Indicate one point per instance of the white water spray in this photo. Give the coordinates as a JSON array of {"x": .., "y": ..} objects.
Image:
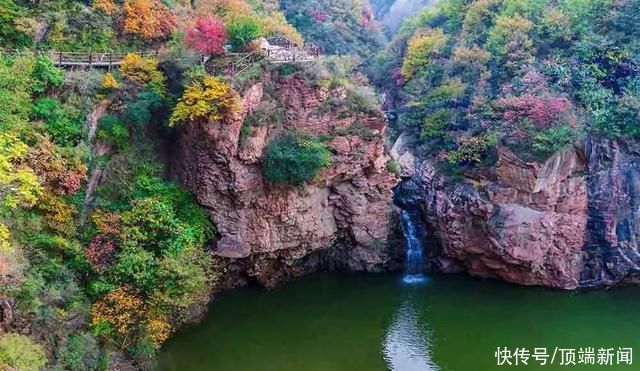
[{"x": 414, "y": 261}]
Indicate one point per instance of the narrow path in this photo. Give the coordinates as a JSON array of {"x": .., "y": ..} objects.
[{"x": 271, "y": 53}]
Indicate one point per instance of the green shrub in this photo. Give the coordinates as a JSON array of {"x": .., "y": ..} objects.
[
  {"x": 393, "y": 166},
  {"x": 47, "y": 108},
  {"x": 161, "y": 251},
  {"x": 246, "y": 130},
  {"x": 362, "y": 99},
  {"x": 46, "y": 75},
  {"x": 64, "y": 129},
  {"x": 472, "y": 150},
  {"x": 293, "y": 160},
  {"x": 140, "y": 110},
  {"x": 287, "y": 69},
  {"x": 20, "y": 353},
  {"x": 10, "y": 36},
  {"x": 243, "y": 30},
  {"x": 435, "y": 124},
  {"x": 80, "y": 353},
  {"x": 552, "y": 140},
  {"x": 266, "y": 113},
  {"x": 113, "y": 130}
]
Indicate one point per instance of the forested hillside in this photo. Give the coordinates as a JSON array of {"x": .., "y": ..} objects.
[
  {"x": 345, "y": 27},
  {"x": 112, "y": 176},
  {"x": 534, "y": 75},
  {"x": 103, "y": 255}
]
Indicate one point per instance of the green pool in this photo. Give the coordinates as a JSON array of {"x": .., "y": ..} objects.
[{"x": 375, "y": 322}]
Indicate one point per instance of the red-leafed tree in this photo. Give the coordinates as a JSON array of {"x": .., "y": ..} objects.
[
  {"x": 101, "y": 252},
  {"x": 207, "y": 36}
]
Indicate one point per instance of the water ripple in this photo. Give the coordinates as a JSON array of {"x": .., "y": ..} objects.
[{"x": 407, "y": 345}]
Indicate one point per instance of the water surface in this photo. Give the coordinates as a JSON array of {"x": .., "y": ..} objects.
[{"x": 375, "y": 322}]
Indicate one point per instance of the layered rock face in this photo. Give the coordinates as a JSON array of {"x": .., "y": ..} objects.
[
  {"x": 268, "y": 232},
  {"x": 571, "y": 222}
]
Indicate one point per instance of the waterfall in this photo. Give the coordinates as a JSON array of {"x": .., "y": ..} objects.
[{"x": 414, "y": 250}]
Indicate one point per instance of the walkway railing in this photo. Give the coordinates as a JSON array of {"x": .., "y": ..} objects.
[
  {"x": 233, "y": 63},
  {"x": 91, "y": 59}
]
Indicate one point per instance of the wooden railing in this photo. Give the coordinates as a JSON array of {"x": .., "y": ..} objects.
[
  {"x": 231, "y": 64},
  {"x": 90, "y": 59},
  {"x": 291, "y": 53}
]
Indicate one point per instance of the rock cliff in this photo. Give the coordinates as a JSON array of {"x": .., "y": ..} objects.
[
  {"x": 268, "y": 232},
  {"x": 570, "y": 222}
]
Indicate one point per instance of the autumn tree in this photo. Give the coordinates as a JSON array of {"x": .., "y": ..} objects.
[
  {"x": 109, "y": 81},
  {"x": 510, "y": 43},
  {"x": 105, "y": 6},
  {"x": 118, "y": 315},
  {"x": 101, "y": 252},
  {"x": 143, "y": 72},
  {"x": 150, "y": 20},
  {"x": 61, "y": 174},
  {"x": 222, "y": 8},
  {"x": 18, "y": 184},
  {"x": 207, "y": 36},
  {"x": 210, "y": 98},
  {"x": 421, "y": 48}
]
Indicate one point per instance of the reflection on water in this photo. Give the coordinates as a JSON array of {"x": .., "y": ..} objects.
[
  {"x": 375, "y": 323},
  {"x": 407, "y": 344}
]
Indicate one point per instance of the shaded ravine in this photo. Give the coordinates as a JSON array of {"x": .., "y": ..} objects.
[{"x": 98, "y": 148}]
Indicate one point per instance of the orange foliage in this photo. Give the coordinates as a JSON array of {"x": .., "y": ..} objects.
[
  {"x": 63, "y": 176},
  {"x": 225, "y": 9},
  {"x": 106, "y": 6},
  {"x": 106, "y": 222},
  {"x": 149, "y": 19},
  {"x": 58, "y": 215},
  {"x": 122, "y": 309},
  {"x": 158, "y": 330}
]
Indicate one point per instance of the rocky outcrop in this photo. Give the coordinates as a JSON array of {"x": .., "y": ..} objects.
[
  {"x": 6, "y": 313},
  {"x": 571, "y": 222},
  {"x": 267, "y": 232}
]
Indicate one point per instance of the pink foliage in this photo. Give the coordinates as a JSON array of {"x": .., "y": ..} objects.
[
  {"x": 542, "y": 113},
  {"x": 317, "y": 15},
  {"x": 396, "y": 75},
  {"x": 532, "y": 83},
  {"x": 535, "y": 83},
  {"x": 367, "y": 18},
  {"x": 101, "y": 252},
  {"x": 207, "y": 36}
]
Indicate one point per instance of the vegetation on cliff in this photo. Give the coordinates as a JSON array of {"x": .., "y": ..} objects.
[
  {"x": 533, "y": 75},
  {"x": 293, "y": 160},
  {"x": 100, "y": 252},
  {"x": 344, "y": 27},
  {"x": 60, "y": 253}
]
